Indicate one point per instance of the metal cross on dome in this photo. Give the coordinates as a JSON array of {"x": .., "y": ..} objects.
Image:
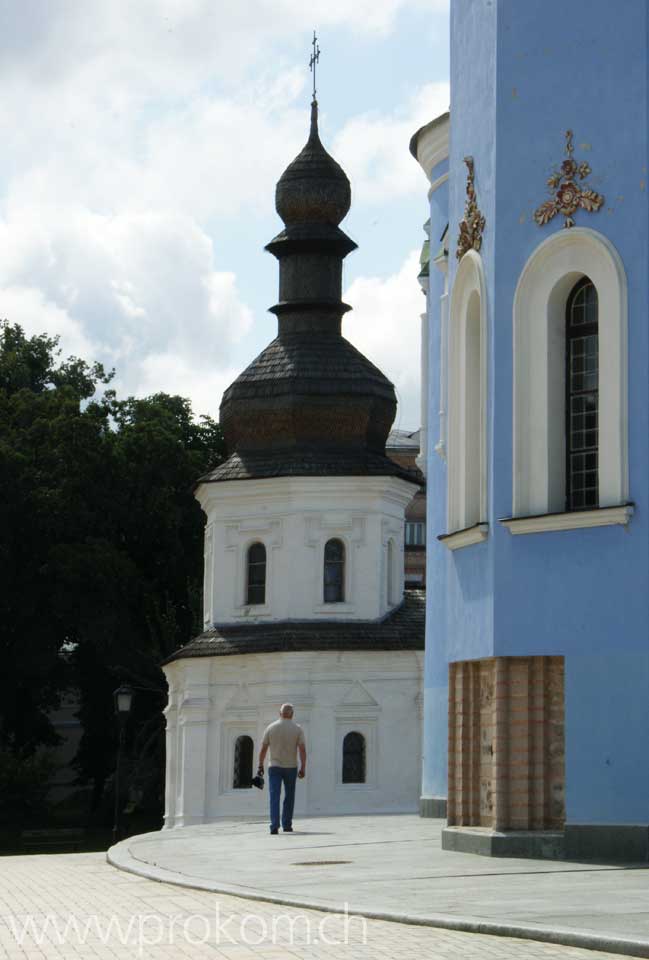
[{"x": 315, "y": 56}]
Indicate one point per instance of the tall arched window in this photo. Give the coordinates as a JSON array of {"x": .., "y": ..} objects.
[
  {"x": 472, "y": 413},
  {"x": 551, "y": 280},
  {"x": 243, "y": 750},
  {"x": 334, "y": 571},
  {"x": 582, "y": 397},
  {"x": 256, "y": 579},
  {"x": 354, "y": 758},
  {"x": 467, "y": 405}
]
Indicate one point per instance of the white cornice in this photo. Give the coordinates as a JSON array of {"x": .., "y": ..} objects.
[
  {"x": 465, "y": 538},
  {"x": 430, "y": 145},
  {"x": 577, "y": 520}
]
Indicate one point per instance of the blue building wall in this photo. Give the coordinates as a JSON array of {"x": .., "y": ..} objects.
[
  {"x": 435, "y": 668},
  {"x": 521, "y": 74}
]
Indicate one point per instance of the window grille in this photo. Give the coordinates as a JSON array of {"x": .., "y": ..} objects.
[
  {"x": 256, "y": 581},
  {"x": 582, "y": 397},
  {"x": 334, "y": 571}
]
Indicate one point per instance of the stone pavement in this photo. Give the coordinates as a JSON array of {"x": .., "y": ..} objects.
[
  {"x": 78, "y": 907},
  {"x": 393, "y": 867}
]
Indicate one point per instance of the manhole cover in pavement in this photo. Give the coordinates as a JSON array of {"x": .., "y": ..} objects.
[{"x": 319, "y": 863}]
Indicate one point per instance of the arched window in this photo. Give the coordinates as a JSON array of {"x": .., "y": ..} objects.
[
  {"x": 243, "y": 750},
  {"x": 582, "y": 397},
  {"x": 467, "y": 403},
  {"x": 334, "y": 571},
  {"x": 256, "y": 583},
  {"x": 573, "y": 271},
  {"x": 354, "y": 758},
  {"x": 472, "y": 414}
]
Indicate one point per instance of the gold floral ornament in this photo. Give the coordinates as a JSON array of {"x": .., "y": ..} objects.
[
  {"x": 470, "y": 237},
  {"x": 569, "y": 195}
]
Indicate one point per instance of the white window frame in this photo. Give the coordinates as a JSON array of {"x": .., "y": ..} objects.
[
  {"x": 539, "y": 471},
  {"x": 463, "y": 513},
  {"x": 421, "y": 524}
]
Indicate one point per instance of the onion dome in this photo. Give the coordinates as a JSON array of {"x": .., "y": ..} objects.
[
  {"x": 310, "y": 404},
  {"x": 313, "y": 188}
]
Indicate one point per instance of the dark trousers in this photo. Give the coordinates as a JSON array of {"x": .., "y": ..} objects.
[{"x": 276, "y": 777}]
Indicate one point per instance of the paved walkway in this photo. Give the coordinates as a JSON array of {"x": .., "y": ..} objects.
[
  {"x": 392, "y": 867},
  {"x": 77, "y": 907}
]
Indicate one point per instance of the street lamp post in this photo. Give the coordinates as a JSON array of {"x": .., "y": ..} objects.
[{"x": 123, "y": 697}]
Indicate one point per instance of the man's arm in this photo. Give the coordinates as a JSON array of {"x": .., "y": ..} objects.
[
  {"x": 301, "y": 749},
  {"x": 262, "y": 756}
]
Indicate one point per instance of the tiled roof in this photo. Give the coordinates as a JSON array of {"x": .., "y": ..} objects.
[
  {"x": 325, "y": 364},
  {"x": 327, "y": 464},
  {"x": 403, "y": 629}
]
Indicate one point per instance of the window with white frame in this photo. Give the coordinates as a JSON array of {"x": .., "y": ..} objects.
[
  {"x": 415, "y": 533},
  {"x": 570, "y": 411}
]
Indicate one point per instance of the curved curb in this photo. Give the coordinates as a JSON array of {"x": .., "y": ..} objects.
[{"x": 120, "y": 857}]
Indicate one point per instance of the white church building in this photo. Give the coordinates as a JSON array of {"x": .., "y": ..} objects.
[{"x": 304, "y": 595}]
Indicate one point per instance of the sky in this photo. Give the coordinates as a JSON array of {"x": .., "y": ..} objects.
[{"x": 141, "y": 141}]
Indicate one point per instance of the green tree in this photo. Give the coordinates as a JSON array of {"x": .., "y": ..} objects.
[{"x": 101, "y": 553}]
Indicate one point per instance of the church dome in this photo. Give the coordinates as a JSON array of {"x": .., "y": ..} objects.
[
  {"x": 313, "y": 187},
  {"x": 310, "y": 404}
]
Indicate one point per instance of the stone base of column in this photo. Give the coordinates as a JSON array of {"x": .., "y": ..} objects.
[
  {"x": 535, "y": 844},
  {"x": 618, "y": 842},
  {"x": 433, "y": 807}
]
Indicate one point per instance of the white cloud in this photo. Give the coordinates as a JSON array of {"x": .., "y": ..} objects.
[
  {"x": 385, "y": 325},
  {"x": 130, "y": 131},
  {"x": 373, "y": 147},
  {"x": 141, "y": 292}
]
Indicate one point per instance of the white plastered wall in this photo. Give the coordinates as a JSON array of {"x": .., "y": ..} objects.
[
  {"x": 294, "y": 518},
  {"x": 213, "y": 700}
]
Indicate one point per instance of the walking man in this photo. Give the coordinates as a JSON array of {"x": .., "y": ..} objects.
[{"x": 285, "y": 739}]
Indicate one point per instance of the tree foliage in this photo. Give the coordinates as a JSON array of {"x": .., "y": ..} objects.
[{"x": 101, "y": 547}]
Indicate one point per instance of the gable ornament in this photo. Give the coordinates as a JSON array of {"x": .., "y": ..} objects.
[
  {"x": 471, "y": 227},
  {"x": 569, "y": 194}
]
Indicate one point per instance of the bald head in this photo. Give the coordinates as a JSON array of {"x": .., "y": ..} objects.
[{"x": 286, "y": 710}]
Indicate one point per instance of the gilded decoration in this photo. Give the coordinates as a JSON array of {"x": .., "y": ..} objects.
[
  {"x": 569, "y": 195},
  {"x": 471, "y": 227}
]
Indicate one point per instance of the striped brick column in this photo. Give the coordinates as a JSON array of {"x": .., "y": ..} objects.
[{"x": 506, "y": 743}]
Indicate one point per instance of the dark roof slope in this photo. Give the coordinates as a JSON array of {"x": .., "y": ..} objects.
[{"x": 402, "y": 629}]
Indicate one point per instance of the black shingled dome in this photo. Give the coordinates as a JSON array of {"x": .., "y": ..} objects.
[{"x": 310, "y": 404}]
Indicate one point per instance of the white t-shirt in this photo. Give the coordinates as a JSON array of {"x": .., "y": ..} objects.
[{"x": 283, "y": 737}]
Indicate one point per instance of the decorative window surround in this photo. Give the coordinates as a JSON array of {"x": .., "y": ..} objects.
[
  {"x": 467, "y": 396},
  {"x": 539, "y": 468},
  {"x": 239, "y": 537},
  {"x": 575, "y": 520},
  {"x": 465, "y": 538}
]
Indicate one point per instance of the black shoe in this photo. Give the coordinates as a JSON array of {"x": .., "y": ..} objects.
[
  {"x": 288, "y": 829},
  {"x": 274, "y": 831}
]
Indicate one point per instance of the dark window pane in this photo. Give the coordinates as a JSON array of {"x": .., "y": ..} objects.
[
  {"x": 334, "y": 572},
  {"x": 582, "y": 397},
  {"x": 243, "y": 750},
  {"x": 256, "y": 574},
  {"x": 354, "y": 758},
  {"x": 335, "y": 551}
]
